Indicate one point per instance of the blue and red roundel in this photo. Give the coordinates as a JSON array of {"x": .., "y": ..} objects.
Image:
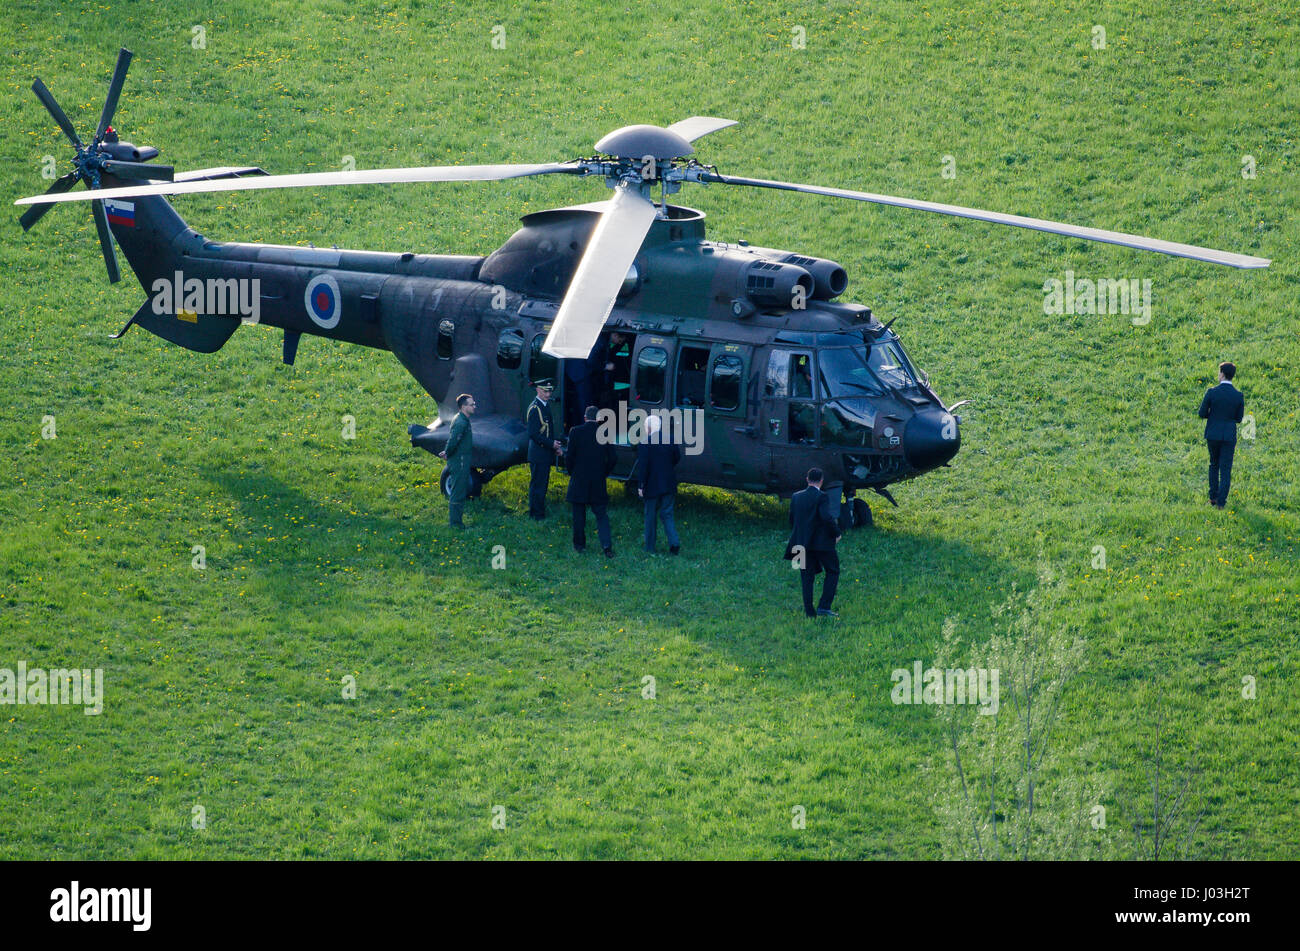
[{"x": 324, "y": 302}]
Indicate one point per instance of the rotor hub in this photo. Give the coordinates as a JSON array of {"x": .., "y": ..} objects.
[{"x": 639, "y": 142}]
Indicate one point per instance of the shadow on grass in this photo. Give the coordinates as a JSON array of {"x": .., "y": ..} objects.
[{"x": 729, "y": 590}]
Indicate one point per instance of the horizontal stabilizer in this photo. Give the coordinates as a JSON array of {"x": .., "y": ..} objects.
[{"x": 198, "y": 332}]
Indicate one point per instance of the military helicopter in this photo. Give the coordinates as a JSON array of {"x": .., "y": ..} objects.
[{"x": 752, "y": 340}]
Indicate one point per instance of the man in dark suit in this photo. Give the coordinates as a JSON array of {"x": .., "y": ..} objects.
[
  {"x": 1222, "y": 410},
  {"x": 813, "y": 534},
  {"x": 657, "y": 456},
  {"x": 589, "y": 463},
  {"x": 543, "y": 447}
]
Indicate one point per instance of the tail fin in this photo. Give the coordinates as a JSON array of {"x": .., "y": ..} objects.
[{"x": 150, "y": 233}]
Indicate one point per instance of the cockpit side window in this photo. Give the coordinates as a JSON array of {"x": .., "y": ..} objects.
[
  {"x": 778, "y": 374},
  {"x": 789, "y": 374},
  {"x": 801, "y": 381}
]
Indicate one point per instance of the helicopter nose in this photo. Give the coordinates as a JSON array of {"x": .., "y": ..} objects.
[{"x": 930, "y": 439}]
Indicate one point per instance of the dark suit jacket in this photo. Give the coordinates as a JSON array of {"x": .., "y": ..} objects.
[
  {"x": 541, "y": 433},
  {"x": 1222, "y": 410},
  {"x": 811, "y": 523},
  {"x": 655, "y": 468},
  {"x": 589, "y": 463}
]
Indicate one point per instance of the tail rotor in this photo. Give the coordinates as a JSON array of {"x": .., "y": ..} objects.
[{"x": 105, "y": 154}]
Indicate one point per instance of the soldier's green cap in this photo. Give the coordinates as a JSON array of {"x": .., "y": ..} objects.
[{"x": 546, "y": 383}]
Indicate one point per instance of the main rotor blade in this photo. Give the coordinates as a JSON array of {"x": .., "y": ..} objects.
[
  {"x": 106, "y": 242},
  {"x": 33, "y": 215},
  {"x": 221, "y": 171},
  {"x": 1036, "y": 224},
  {"x": 377, "y": 176},
  {"x": 114, "y": 91},
  {"x": 699, "y": 126},
  {"x": 51, "y": 104},
  {"x": 141, "y": 171},
  {"x": 596, "y": 282}
]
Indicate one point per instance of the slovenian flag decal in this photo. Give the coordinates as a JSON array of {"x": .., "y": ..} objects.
[{"x": 120, "y": 212}]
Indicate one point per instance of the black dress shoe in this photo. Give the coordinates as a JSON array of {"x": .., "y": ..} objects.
[
  {"x": 676, "y": 549},
  {"x": 609, "y": 553}
]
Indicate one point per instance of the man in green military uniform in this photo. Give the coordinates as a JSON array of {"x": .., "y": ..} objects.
[{"x": 459, "y": 451}]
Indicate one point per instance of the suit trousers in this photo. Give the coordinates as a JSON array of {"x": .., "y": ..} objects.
[
  {"x": 1220, "y": 469},
  {"x": 660, "y": 508},
  {"x": 539, "y": 479},
  {"x": 829, "y": 562},
  {"x": 580, "y": 525}
]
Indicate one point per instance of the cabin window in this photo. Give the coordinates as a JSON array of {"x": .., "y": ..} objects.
[
  {"x": 651, "y": 369},
  {"x": 510, "y": 349},
  {"x": 724, "y": 389},
  {"x": 542, "y": 365},
  {"x": 446, "y": 337},
  {"x": 692, "y": 364}
]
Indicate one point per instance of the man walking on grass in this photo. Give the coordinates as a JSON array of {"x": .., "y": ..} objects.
[{"x": 1222, "y": 410}]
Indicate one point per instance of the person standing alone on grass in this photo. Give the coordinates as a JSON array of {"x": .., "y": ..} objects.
[
  {"x": 459, "y": 451},
  {"x": 1222, "y": 410},
  {"x": 813, "y": 534}
]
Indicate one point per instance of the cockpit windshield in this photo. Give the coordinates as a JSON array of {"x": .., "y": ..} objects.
[
  {"x": 889, "y": 363},
  {"x": 853, "y": 371}
]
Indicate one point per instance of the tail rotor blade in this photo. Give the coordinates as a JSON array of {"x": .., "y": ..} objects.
[
  {"x": 114, "y": 92},
  {"x": 139, "y": 171},
  {"x": 36, "y": 212},
  {"x": 47, "y": 99},
  {"x": 106, "y": 241}
]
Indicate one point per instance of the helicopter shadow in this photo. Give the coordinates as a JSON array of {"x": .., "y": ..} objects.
[{"x": 737, "y": 597}]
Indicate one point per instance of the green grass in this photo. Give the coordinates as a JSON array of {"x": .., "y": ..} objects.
[{"x": 522, "y": 687}]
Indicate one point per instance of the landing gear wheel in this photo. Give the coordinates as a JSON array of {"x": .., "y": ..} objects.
[
  {"x": 862, "y": 514},
  {"x": 476, "y": 483}
]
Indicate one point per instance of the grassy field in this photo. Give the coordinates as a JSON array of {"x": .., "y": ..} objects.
[{"x": 522, "y": 687}]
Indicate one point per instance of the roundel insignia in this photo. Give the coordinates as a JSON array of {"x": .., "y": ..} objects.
[{"x": 324, "y": 302}]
